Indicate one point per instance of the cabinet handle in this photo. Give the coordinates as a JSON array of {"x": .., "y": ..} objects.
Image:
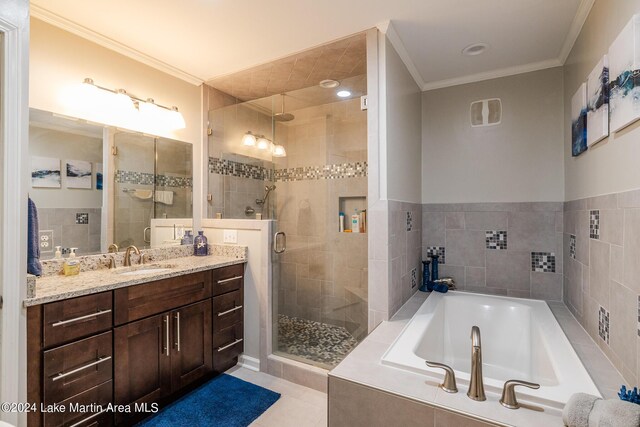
[
  {"x": 224, "y": 347},
  {"x": 84, "y": 420},
  {"x": 165, "y": 348},
  {"x": 81, "y": 368},
  {"x": 230, "y": 311},
  {"x": 78, "y": 319},
  {"x": 229, "y": 280},
  {"x": 176, "y": 316}
]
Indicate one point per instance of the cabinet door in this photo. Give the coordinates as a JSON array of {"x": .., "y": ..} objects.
[
  {"x": 142, "y": 353},
  {"x": 191, "y": 356}
]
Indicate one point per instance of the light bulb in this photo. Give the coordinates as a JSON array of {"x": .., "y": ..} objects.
[
  {"x": 279, "y": 151},
  {"x": 249, "y": 139},
  {"x": 344, "y": 94},
  {"x": 263, "y": 143}
]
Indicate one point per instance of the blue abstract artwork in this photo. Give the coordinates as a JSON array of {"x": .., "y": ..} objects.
[
  {"x": 598, "y": 102},
  {"x": 624, "y": 70},
  {"x": 45, "y": 172},
  {"x": 579, "y": 121}
]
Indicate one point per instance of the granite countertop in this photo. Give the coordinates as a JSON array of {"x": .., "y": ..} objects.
[{"x": 59, "y": 287}]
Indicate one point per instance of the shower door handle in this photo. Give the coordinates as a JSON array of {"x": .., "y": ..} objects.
[
  {"x": 144, "y": 234},
  {"x": 282, "y": 248}
]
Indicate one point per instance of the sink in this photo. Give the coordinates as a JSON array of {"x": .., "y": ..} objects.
[{"x": 144, "y": 270}]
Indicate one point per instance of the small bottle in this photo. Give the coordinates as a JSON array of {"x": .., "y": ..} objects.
[
  {"x": 355, "y": 222},
  {"x": 58, "y": 254},
  {"x": 71, "y": 266},
  {"x": 200, "y": 247},
  {"x": 341, "y": 222}
]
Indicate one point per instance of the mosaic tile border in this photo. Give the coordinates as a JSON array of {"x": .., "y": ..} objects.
[
  {"x": 496, "y": 240},
  {"x": 409, "y": 221},
  {"x": 594, "y": 224},
  {"x": 572, "y": 246},
  {"x": 304, "y": 173},
  {"x": 543, "y": 262},
  {"x": 603, "y": 324},
  {"x": 436, "y": 250},
  {"x": 639, "y": 315},
  {"x": 144, "y": 178}
]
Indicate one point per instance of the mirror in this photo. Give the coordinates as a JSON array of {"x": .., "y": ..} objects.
[{"x": 95, "y": 185}]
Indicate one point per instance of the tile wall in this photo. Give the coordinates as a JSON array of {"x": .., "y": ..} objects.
[
  {"x": 72, "y": 228},
  {"x": 512, "y": 249},
  {"x": 602, "y": 274}
]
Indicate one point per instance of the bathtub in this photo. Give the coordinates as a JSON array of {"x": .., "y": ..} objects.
[{"x": 521, "y": 339}]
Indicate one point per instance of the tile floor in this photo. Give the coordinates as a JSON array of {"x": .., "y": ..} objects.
[{"x": 298, "y": 406}]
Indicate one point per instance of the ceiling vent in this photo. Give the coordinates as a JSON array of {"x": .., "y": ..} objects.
[{"x": 487, "y": 112}]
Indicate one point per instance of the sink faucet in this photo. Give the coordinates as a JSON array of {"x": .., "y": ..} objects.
[
  {"x": 476, "y": 385},
  {"x": 127, "y": 255}
]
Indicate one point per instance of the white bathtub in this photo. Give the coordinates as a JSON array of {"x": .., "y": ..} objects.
[{"x": 521, "y": 339}]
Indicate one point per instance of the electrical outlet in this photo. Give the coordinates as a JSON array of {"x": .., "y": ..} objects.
[
  {"x": 230, "y": 236},
  {"x": 45, "y": 237},
  {"x": 414, "y": 278}
]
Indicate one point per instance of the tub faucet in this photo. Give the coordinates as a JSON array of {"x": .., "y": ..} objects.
[{"x": 476, "y": 385}]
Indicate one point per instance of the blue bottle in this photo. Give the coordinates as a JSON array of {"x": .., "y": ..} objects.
[
  {"x": 200, "y": 247},
  {"x": 187, "y": 239},
  {"x": 434, "y": 267},
  {"x": 426, "y": 276}
]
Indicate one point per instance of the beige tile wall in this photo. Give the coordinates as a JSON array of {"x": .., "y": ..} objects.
[
  {"x": 605, "y": 273},
  {"x": 530, "y": 227},
  {"x": 68, "y": 234}
]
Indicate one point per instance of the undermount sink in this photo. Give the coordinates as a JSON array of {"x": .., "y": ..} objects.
[{"x": 145, "y": 270}]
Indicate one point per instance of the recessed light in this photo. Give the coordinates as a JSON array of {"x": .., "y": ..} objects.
[
  {"x": 329, "y": 84},
  {"x": 475, "y": 49},
  {"x": 344, "y": 94}
]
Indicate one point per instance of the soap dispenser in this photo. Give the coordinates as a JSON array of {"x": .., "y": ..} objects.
[
  {"x": 71, "y": 266},
  {"x": 58, "y": 254}
]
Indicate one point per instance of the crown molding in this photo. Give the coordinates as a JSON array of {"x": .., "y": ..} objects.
[
  {"x": 387, "y": 29},
  {"x": 64, "y": 24},
  {"x": 576, "y": 26},
  {"x": 494, "y": 74}
]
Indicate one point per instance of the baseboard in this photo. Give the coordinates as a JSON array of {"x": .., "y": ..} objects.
[{"x": 249, "y": 362}]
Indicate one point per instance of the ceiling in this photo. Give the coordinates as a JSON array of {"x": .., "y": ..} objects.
[{"x": 200, "y": 40}]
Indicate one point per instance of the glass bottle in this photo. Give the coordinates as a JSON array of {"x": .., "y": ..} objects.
[{"x": 200, "y": 247}]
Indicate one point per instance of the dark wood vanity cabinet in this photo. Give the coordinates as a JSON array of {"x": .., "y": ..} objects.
[{"x": 141, "y": 344}]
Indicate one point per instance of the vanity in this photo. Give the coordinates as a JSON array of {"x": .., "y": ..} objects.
[{"x": 131, "y": 336}]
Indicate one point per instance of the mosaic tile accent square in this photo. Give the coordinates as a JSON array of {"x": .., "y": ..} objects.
[
  {"x": 543, "y": 262},
  {"x": 594, "y": 224},
  {"x": 436, "y": 250},
  {"x": 639, "y": 315},
  {"x": 603, "y": 324},
  {"x": 82, "y": 218},
  {"x": 414, "y": 278},
  {"x": 409, "y": 221},
  {"x": 496, "y": 239},
  {"x": 572, "y": 246}
]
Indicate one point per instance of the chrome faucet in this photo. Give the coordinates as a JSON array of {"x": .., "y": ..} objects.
[
  {"x": 127, "y": 255},
  {"x": 476, "y": 385}
]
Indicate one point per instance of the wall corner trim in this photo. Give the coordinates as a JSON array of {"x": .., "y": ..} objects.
[
  {"x": 576, "y": 27},
  {"x": 387, "y": 29}
]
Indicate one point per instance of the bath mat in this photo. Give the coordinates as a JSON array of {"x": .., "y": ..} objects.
[{"x": 224, "y": 401}]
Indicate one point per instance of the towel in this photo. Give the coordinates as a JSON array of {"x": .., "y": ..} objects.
[
  {"x": 33, "y": 245},
  {"x": 614, "y": 413},
  {"x": 143, "y": 194},
  {"x": 164, "y": 197},
  {"x": 576, "y": 411}
]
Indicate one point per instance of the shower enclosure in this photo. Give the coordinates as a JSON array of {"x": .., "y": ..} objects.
[{"x": 307, "y": 149}]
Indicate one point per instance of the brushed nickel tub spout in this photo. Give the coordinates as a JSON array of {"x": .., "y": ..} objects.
[{"x": 476, "y": 385}]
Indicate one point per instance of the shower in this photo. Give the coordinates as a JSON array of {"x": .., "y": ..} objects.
[
  {"x": 282, "y": 116},
  {"x": 268, "y": 189}
]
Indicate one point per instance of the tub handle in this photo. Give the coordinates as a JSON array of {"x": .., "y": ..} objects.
[
  {"x": 508, "y": 399},
  {"x": 449, "y": 384}
]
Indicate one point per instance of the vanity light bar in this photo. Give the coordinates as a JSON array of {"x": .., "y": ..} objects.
[{"x": 176, "y": 118}]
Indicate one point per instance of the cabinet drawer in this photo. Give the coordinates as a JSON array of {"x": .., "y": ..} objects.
[
  {"x": 76, "y": 367},
  {"x": 227, "y": 310},
  {"x": 227, "y": 345},
  {"x": 77, "y": 317},
  {"x": 227, "y": 279},
  {"x": 136, "y": 302},
  {"x": 99, "y": 395}
]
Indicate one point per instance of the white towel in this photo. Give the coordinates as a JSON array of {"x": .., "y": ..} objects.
[
  {"x": 576, "y": 411},
  {"x": 614, "y": 413},
  {"x": 143, "y": 194},
  {"x": 164, "y": 197}
]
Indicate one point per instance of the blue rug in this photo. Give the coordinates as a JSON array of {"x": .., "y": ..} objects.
[{"x": 224, "y": 401}]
